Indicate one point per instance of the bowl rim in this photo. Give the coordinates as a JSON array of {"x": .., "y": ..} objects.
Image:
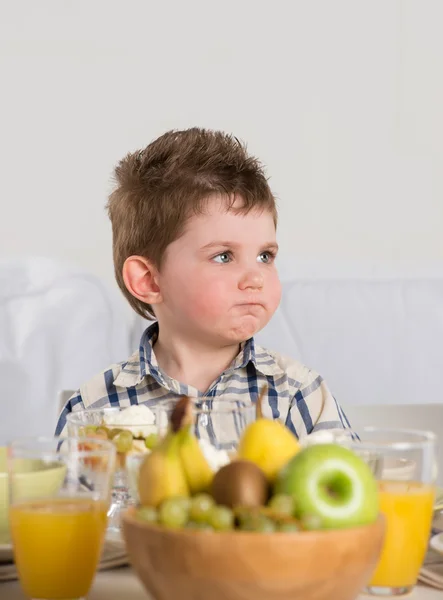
[{"x": 129, "y": 517}]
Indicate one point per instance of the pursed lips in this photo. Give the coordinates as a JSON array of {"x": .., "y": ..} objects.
[{"x": 250, "y": 304}]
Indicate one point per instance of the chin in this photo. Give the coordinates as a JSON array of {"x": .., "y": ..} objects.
[{"x": 243, "y": 331}]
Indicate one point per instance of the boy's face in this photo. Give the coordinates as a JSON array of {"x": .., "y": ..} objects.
[{"x": 218, "y": 281}]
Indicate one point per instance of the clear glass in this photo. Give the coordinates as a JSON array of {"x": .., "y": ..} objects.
[
  {"x": 59, "y": 493},
  {"x": 109, "y": 423},
  {"x": 218, "y": 424},
  {"x": 404, "y": 462}
]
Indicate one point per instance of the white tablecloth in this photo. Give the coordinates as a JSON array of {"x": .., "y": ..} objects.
[{"x": 122, "y": 583}]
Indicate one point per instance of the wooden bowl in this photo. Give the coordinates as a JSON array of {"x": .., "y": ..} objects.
[{"x": 204, "y": 565}]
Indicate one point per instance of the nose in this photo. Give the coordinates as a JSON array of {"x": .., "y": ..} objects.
[{"x": 251, "y": 280}]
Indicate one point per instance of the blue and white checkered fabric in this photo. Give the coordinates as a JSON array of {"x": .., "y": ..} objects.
[{"x": 296, "y": 395}]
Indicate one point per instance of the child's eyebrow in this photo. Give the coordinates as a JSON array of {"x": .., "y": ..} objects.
[{"x": 227, "y": 244}]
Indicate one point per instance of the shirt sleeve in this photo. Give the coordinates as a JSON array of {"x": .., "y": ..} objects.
[
  {"x": 75, "y": 402},
  {"x": 313, "y": 408}
]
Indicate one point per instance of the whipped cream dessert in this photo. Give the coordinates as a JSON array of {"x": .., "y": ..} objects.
[{"x": 138, "y": 419}]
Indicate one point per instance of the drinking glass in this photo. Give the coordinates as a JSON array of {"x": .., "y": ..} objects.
[
  {"x": 59, "y": 492},
  {"x": 218, "y": 424},
  {"x": 130, "y": 441},
  {"x": 404, "y": 463}
]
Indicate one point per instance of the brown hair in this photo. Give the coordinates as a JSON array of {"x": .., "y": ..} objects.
[{"x": 160, "y": 187}]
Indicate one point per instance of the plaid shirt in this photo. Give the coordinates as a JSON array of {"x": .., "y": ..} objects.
[{"x": 296, "y": 395}]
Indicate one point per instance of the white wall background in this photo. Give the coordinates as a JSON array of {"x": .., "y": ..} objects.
[{"x": 342, "y": 101}]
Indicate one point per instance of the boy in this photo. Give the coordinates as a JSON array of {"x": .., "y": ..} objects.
[{"x": 194, "y": 241}]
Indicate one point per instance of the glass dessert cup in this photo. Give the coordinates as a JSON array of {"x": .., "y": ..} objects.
[{"x": 132, "y": 431}]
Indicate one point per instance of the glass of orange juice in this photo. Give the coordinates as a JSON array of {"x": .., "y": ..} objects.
[
  {"x": 404, "y": 463},
  {"x": 59, "y": 492}
]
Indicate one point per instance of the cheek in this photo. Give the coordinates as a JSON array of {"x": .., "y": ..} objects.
[
  {"x": 209, "y": 299},
  {"x": 199, "y": 297},
  {"x": 273, "y": 290}
]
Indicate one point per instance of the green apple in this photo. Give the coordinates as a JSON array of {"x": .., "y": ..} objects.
[{"x": 333, "y": 488}]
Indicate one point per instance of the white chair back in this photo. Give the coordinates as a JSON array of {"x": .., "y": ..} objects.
[
  {"x": 59, "y": 326},
  {"x": 375, "y": 335}
]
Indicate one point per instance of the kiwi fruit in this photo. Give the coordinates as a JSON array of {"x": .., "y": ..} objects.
[{"x": 240, "y": 483}]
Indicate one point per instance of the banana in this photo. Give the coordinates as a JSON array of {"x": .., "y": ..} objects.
[
  {"x": 161, "y": 474},
  {"x": 177, "y": 465},
  {"x": 198, "y": 473}
]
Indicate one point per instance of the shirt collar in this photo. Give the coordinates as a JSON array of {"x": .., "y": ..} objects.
[
  {"x": 148, "y": 361},
  {"x": 144, "y": 362}
]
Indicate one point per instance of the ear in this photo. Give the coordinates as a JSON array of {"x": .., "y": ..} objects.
[{"x": 140, "y": 277}]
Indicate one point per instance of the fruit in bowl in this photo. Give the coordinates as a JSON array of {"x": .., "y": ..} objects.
[
  {"x": 193, "y": 563},
  {"x": 332, "y": 484},
  {"x": 268, "y": 444},
  {"x": 131, "y": 429},
  {"x": 310, "y": 531}
]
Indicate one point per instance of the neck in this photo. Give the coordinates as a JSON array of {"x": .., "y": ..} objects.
[{"x": 192, "y": 362}]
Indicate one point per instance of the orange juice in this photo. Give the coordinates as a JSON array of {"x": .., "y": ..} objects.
[
  {"x": 408, "y": 509},
  {"x": 57, "y": 545}
]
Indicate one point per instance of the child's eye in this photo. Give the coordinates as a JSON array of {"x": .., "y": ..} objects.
[
  {"x": 266, "y": 257},
  {"x": 222, "y": 258}
]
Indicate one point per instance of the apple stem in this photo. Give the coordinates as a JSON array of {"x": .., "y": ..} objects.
[{"x": 258, "y": 406}]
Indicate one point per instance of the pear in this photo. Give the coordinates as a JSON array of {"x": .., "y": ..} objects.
[{"x": 268, "y": 444}]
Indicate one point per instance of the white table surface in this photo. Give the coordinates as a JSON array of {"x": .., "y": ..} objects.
[{"x": 122, "y": 583}]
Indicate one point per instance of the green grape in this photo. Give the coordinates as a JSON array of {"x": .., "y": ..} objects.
[
  {"x": 147, "y": 513},
  {"x": 185, "y": 501},
  {"x": 102, "y": 432},
  {"x": 221, "y": 518},
  {"x": 247, "y": 523},
  {"x": 265, "y": 525},
  {"x": 242, "y": 513},
  {"x": 258, "y": 523},
  {"x": 123, "y": 441},
  {"x": 151, "y": 441},
  {"x": 311, "y": 522},
  {"x": 113, "y": 432},
  {"x": 90, "y": 430},
  {"x": 282, "y": 504},
  {"x": 172, "y": 513},
  {"x": 199, "y": 526},
  {"x": 289, "y": 527},
  {"x": 201, "y": 506}
]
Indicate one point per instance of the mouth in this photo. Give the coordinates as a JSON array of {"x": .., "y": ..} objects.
[{"x": 249, "y": 305}]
